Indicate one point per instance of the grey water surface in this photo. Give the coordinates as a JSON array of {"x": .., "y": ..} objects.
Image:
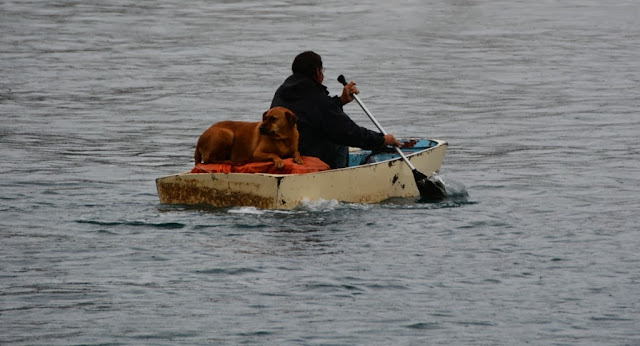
[{"x": 538, "y": 244}]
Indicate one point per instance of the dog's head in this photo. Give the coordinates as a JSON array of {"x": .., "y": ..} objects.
[{"x": 278, "y": 122}]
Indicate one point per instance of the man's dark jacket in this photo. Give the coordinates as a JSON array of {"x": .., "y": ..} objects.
[{"x": 324, "y": 127}]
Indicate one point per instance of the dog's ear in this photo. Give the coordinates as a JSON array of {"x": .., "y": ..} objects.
[
  {"x": 292, "y": 118},
  {"x": 264, "y": 116}
]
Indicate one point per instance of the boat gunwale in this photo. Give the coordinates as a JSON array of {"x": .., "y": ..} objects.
[{"x": 280, "y": 176}]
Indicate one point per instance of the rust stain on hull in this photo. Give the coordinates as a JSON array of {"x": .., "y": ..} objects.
[{"x": 189, "y": 192}]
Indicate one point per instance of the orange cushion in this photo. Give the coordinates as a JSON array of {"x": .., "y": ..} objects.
[{"x": 311, "y": 164}]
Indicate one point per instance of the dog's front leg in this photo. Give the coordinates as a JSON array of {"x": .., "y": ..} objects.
[
  {"x": 261, "y": 156},
  {"x": 297, "y": 158}
]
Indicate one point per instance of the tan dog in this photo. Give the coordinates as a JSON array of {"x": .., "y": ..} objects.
[{"x": 272, "y": 139}]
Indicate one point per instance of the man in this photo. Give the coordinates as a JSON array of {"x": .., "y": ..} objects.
[{"x": 325, "y": 130}]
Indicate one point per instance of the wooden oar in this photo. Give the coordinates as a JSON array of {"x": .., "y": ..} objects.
[{"x": 431, "y": 189}]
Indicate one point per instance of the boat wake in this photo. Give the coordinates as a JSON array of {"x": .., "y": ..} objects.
[
  {"x": 258, "y": 211},
  {"x": 319, "y": 205},
  {"x": 246, "y": 210},
  {"x": 306, "y": 206},
  {"x": 456, "y": 195}
]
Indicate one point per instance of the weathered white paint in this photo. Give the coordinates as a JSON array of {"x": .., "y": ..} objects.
[{"x": 371, "y": 183}]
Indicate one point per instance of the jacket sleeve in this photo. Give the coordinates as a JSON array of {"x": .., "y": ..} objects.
[
  {"x": 341, "y": 129},
  {"x": 336, "y": 100}
]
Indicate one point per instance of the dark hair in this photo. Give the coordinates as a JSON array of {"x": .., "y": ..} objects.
[{"x": 306, "y": 63}]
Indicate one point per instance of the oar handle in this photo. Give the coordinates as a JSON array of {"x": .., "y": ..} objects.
[{"x": 342, "y": 80}]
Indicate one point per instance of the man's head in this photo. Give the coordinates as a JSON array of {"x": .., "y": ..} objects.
[{"x": 308, "y": 64}]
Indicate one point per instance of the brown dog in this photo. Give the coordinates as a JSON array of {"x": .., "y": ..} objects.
[{"x": 272, "y": 139}]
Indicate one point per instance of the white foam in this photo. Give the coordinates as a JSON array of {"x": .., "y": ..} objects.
[
  {"x": 319, "y": 204},
  {"x": 246, "y": 210}
]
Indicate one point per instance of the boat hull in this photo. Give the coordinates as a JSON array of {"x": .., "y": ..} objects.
[{"x": 368, "y": 183}]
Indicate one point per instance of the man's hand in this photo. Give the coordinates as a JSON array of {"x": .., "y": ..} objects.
[
  {"x": 390, "y": 140},
  {"x": 347, "y": 93}
]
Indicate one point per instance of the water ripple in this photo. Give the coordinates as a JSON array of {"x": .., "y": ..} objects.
[{"x": 536, "y": 243}]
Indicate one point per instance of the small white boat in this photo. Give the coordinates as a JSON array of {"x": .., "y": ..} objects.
[{"x": 370, "y": 178}]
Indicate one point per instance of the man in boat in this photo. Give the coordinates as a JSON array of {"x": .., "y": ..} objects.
[{"x": 326, "y": 131}]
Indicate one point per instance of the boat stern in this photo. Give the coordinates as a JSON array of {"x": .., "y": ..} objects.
[{"x": 219, "y": 190}]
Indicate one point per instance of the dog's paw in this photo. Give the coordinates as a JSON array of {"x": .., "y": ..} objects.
[
  {"x": 279, "y": 164},
  {"x": 298, "y": 160}
]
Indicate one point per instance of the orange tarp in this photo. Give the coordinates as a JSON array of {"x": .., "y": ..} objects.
[{"x": 311, "y": 164}]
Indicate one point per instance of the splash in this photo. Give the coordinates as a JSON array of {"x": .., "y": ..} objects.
[
  {"x": 319, "y": 205},
  {"x": 456, "y": 192},
  {"x": 247, "y": 210},
  {"x": 258, "y": 211}
]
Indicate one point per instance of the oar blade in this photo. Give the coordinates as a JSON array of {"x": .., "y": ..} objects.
[{"x": 430, "y": 189}]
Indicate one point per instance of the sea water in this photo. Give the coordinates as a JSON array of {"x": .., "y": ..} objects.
[{"x": 538, "y": 243}]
